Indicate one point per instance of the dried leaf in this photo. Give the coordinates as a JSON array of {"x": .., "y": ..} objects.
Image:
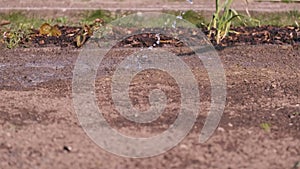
[
  {"x": 87, "y": 30},
  {"x": 55, "y": 31},
  {"x": 80, "y": 39},
  {"x": 47, "y": 29}
]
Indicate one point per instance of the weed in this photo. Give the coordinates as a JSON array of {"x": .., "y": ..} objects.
[
  {"x": 221, "y": 20},
  {"x": 20, "y": 26},
  {"x": 288, "y": 1},
  {"x": 92, "y": 16},
  {"x": 266, "y": 127},
  {"x": 279, "y": 18},
  {"x": 62, "y": 20},
  {"x": 14, "y": 36}
]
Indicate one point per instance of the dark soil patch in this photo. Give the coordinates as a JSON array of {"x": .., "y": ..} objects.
[
  {"x": 66, "y": 39},
  {"x": 262, "y": 35},
  {"x": 238, "y": 36}
]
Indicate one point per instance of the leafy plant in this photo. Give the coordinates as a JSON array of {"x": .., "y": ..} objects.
[
  {"x": 221, "y": 20},
  {"x": 63, "y": 20},
  {"x": 288, "y": 1},
  {"x": 20, "y": 26},
  {"x": 13, "y": 37}
]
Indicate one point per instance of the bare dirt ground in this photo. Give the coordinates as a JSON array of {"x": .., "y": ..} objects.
[{"x": 39, "y": 127}]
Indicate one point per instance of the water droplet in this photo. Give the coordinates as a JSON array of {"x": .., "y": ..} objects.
[
  {"x": 140, "y": 14},
  {"x": 138, "y": 62},
  {"x": 179, "y": 17},
  {"x": 158, "y": 38},
  {"x": 190, "y": 1},
  {"x": 174, "y": 24},
  {"x": 167, "y": 21}
]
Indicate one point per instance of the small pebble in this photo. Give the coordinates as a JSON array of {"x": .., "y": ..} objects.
[
  {"x": 183, "y": 146},
  {"x": 8, "y": 134},
  {"x": 67, "y": 148},
  {"x": 41, "y": 42},
  {"x": 221, "y": 129},
  {"x": 231, "y": 113}
]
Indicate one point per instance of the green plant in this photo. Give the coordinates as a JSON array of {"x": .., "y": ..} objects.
[
  {"x": 287, "y": 1},
  {"x": 194, "y": 17},
  {"x": 14, "y": 36},
  {"x": 106, "y": 16},
  {"x": 266, "y": 127},
  {"x": 21, "y": 25},
  {"x": 62, "y": 20},
  {"x": 221, "y": 20}
]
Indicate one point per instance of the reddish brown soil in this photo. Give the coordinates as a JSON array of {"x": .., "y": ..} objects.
[{"x": 39, "y": 127}]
